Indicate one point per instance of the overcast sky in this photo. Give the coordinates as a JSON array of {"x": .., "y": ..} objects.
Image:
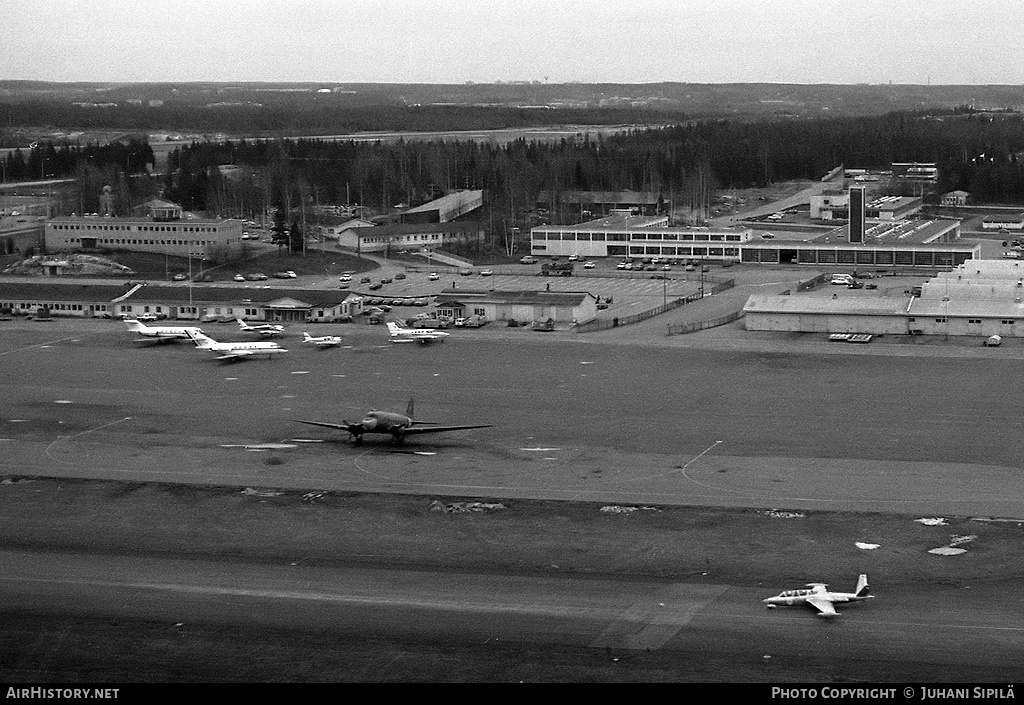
[{"x": 453, "y": 41}]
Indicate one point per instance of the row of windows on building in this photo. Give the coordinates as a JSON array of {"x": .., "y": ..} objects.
[
  {"x": 25, "y": 306},
  {"x": 659, "y": 251},
  {"x": 879, "y": 257},
  {"x": 137, "y": 228},
  {"x": 405, "y": 238},
  {"x": 944, "y": 319},
  {"x": 125, "y": 241},
  {"x": 633, "y": 237}
]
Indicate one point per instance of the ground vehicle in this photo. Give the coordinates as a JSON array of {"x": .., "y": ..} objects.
[
  {"x": 528, "y": 259},
  {"x": 556, "y": 269},
  {"x": 365, "y": 280},
  {"x": 345, "y": 278},
  {"x": 486, "y": 272},
  {"x": 239, "y": 278},
  {"x": 574, "y": 258},
  {"x": 386, "y": 280},
  {"x": 842, "y": 279},
  {"x": 141, "y": 317},
  {"x": 460, "y": 322},
  {"x": 856, "y": 285},
  {"x": 256, "y": 277},
  {"x": 589, "y": 265},
  {"x": 429, "y": 323},
  {"x": 689, "y": 268},
  {"x": 476, "y": 322},
  {"x": 433, "y": 276},
  {"x": 179, "y": 277},
  {"x": 544, "y": 326},
  {"x": 400, "y": 275},
  {"x": 374, "y": 287},
  {"x": 622, "y": 265},
  {"x": 465, "y": 272},
  {"x": 284, "y": 275}
]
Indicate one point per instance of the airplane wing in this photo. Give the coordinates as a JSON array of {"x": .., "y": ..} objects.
[
  {"x": 236, "y": 355},
  {"x": 824, "y": 607},
  {"x": 419, "y": 430},
  {"x": 339, "y": 426}
]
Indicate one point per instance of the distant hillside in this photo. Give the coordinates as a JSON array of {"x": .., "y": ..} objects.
[{"x": 253, "y": 108}]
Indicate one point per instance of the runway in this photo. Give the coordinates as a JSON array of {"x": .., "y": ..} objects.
[
  {"x": 662, "y": 622},
  {"x": 571, "y": 421}
]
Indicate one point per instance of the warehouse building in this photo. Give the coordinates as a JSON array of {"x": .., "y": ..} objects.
[
  {"x": 980, "y": 298},
  {"x": 408, "y": 236},
  {"x": 564, "y": 308}
]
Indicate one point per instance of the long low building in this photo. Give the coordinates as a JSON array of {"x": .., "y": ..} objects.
[
  {"x": 953, "y": 304},
  {"x": 564, "y": 308},
  {"x": 179, "y": 302}
]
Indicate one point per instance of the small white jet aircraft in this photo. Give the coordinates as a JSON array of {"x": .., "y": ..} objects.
[
  {"x": 268, "y": 330},
  {"x": 158, "y": 333},
  {"x": 417, "y": 335},
  {"x": 397, "y": 425},
  {"x": 818, "y": 596},
  {"x": 234, "y": 351},
  {"x": 323, "y": 341}
]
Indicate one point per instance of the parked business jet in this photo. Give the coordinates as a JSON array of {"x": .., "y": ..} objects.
[
  {"x": 157, "y": 333},
  {"x": 818, "y": 596},
  {"x": 397, "y": 425},
  {"x": 410, "y": 335},
  {"x": 268, "y": 330},
  {"x": 234, "y": 351},
  {"x": 323, "y": 341}
]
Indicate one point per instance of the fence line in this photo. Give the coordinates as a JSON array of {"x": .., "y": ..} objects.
[
  {"x": 681, "y": 328},
  {"x": 596, "y": 324}
]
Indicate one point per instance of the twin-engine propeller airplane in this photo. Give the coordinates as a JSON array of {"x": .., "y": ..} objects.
[
  {"x": 818, "y": 596},
  {"x": 323, "y": 341},
  {"x": 268, "y": 330},
  {"x": 234, "y": 351},
  {"x": 418, "y": 335},
  {"x": 399, "y": 426},
  {"x": 157, "y": 333}
]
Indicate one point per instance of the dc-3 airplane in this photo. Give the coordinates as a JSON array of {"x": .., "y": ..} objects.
[
  {"x": 399, "y": 426},
  {"x": 818, "y": 596},
  {"x": 410, "y": 335},
  {"x": 158, "y": 333},
  {"x": 234, "y": 351},
  {"x": 268, "y": 330},
  {"x": 323, "y": 341}
]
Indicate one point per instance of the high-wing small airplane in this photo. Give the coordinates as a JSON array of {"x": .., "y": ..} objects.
[
  {"x": 323, "y": 341},
  {"x": 418, "y": 335},
  {"x": 159, "y": 332},
  {"x": 818, "y": 596},
  {"x": 399, "y": 426},
  {"x": 268, "y": 330},
  {"x": 234, "y": 351}
]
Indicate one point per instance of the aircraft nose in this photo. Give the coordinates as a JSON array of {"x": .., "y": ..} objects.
[{"x": 369, "y": 423}]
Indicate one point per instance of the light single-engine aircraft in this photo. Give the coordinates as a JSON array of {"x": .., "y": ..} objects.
[
  {"x": 323, "y": 341},
  {"x": 234, "y": 351},
  {"x": 268, "y": 330},
  {"x": 397, "y": 425},
  {"x": 818, "y": 596},
  {"x": 418, "y": 335},
  {"x": 158, "y": 333}
]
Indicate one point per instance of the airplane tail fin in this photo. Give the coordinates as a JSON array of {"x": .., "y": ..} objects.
[
  {"x": 409, "y": 410},
  {"x": 242, "y": 324},
  {"x": 393, "y": 328},
  {"x": 862, "y": 585},
  {"x": 133, "y": 325},
  {"x": 306, "y": 337},
  {"x": 200, "y": 339}
]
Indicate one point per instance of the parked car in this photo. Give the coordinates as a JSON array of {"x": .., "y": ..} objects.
[
  {"x": 465, "y": 272},
  {"x": 374, "y": 287},
  {"x": 419, "y": 302},
  {"x": 589, "y": 265},
  {"x": 256, "y": 277},
  {"x": 347, "y": 278},
  {"x": 460, "y": 322},
  {"x": 528, "y": 259},
  {"x": 146, "y": 317},
  {"x": 282, "y": 275},
  {"x": 400, "y": 275},
  {"x": 239, "y": 278},
  {"x": 574, "y": 258},
  {"x": 386, "y": 280},
  {"x": 486, "y": 272},
  {"x": 433, "y": 276},
  {"x": 179, "y": 277},
  {"x": 476, "y": 322}
]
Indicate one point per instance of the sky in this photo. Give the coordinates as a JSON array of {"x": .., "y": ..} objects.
[{"x": 485, "y": 41}]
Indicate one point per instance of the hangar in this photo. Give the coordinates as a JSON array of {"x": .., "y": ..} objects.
[
  {"x": 979, "y": 298},
  {"x": 563, "y": 307}
]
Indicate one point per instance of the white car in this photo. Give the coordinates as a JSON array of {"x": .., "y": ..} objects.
[
  {"x": 146, "y": 317},
  {"x": 486, "y": 272},
  {"x": 433, "y": 276},
  {"x": 239, "y": 278},
  {"x": 345, "y": 278},
  {"x": 574, "y": 258},
  {"x": 589, "y": 265}
]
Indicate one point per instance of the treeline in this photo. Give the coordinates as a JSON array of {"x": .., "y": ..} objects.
[
  {"x": 980, "y": 154},
  {"x": 46, "y": 160},
  {"x": 310, "y": 117}
]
